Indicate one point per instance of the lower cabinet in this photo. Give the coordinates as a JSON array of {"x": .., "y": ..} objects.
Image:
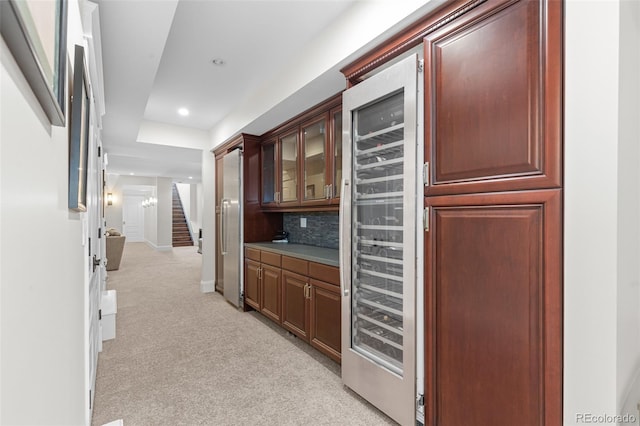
[
  {"x": 302, "y": 296},
  {"x": 310, "y": 306},
  {"x": 262, "y": 283},
  {"x": 325, "y": 311}
]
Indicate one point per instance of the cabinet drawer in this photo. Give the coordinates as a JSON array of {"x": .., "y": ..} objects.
[
  {"x": 251, "y": 253},
  {"x": 326, "y": 273},
  {"x": 270, "y": 258},
  {"x": 295, "y": 265}
]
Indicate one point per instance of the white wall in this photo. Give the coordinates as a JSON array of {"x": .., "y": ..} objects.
[
  {"x": 358, "y": 26},
  {"x": 42, "y": 260},
  {"x": 167, "y": 134},
  {"x": 207, "y": 282},
  {"x": 601, "y": 212},
  {"x": 629, "y": 210},
  {"x": 164, "y": 209},
  {"x": 117, "y": 185}
]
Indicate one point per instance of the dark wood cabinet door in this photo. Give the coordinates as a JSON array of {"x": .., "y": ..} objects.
[
  {"x": 493, "y": 304},
  {"x": 493, "y": 99},
  {"x": 252, "y": 283},
  {"x": 271, "y": 292},
  {"x": 295, "y": 306},
  {"x": 269, "y": 174},
  {"x": 325, "y": 330}
]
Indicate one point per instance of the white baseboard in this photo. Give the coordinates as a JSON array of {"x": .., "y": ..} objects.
[
  {"x": 118, "y": 422},
  {"x": 207, "y": 286},
  {"x": 158, "y": 248},
  {"x": 631, "y": 403}
]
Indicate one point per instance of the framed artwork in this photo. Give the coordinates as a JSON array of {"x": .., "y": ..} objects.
[
  {"x": 36, "y": 33},
  {"x": 79, "y": 135}
]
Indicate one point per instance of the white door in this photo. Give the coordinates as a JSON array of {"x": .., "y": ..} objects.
[{"x": 133, "y": 218}]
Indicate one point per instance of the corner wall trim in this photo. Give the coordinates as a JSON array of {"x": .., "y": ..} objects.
[
  {"x": 207, "y": 286},
  {"x": 158, "y": 248}
]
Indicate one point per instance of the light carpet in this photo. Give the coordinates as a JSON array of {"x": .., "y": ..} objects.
[{"x": 181, "y": 357}]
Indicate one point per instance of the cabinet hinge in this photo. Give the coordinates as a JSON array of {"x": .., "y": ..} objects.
[
  {"x": 421, "y": 65},
  {"x": 425, "y": 173},
  {"x": 99, "y": 314},
  {"x": 99, "y": 233},
  {"x": 425, "y": 218},
  {"x": 99, "y": 151}
]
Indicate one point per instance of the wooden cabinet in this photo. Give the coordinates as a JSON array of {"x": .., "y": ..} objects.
[
  {"x": 493, "y": 300},
  {"x": 302, "y": 160},
  {"x": 493, "y": 280},
  {"x": 252, "y": 283},
  {"x": 315, "y": 171},
  {"x": 325, "y": 310},
  {"x": 289, "y": 169},
  {"x": 295, "y": 304},
  {"x": 311, "y": 304},
  {"x": 262, "y": 283},
  {"x": 335, "y": 148},
  {"x": 308, "y": 303},
  {"x": 268, "y": 173},
  {"x": 493, "y": 110},
  {"x": 493, "y": 248}
]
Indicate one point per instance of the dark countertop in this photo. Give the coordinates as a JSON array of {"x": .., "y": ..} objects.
[{"x": 323, "y": 255}]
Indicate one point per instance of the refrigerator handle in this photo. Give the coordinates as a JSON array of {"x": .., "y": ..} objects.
[
  {"x": 223, "y": 226},
  {"x": 344, "y": 285}
]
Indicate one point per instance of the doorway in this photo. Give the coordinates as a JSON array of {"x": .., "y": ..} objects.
[{"x": 133, "y": 218}]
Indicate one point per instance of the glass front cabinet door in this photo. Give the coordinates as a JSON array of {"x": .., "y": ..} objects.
[
  {"x": 314, "y": 166},
  {"x": 288, "y": 193},
  {"x": 269, "y": 183},
  {"x": 336, "y": 147}
]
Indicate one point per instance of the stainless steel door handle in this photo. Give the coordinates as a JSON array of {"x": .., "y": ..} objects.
[
  {"x": 344, "y": 286},
  {"x": 223, "y": 225}
]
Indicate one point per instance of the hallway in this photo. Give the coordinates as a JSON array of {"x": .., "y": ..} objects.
[{"x": 184, "y": 357}]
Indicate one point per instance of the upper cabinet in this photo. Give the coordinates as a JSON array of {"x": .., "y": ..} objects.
[
  {"x": 289, "y": 149},
  {"x": 302, "y": 160},
  {"x": 493, "y": 110},
  {"x": 314, "y": 165}
]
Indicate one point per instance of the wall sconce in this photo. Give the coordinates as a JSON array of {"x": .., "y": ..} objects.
[{"x": 109, "y": 199}]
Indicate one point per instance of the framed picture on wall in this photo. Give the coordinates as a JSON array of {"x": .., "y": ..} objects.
[
  {"x": 36, "y": 33},
  {"x": 79, "y": 135}
]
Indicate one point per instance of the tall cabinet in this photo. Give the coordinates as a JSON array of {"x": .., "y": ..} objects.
[{"x": 492, "y": 209}]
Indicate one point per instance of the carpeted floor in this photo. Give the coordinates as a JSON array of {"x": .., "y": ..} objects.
[{"x": 181, "y": 357}]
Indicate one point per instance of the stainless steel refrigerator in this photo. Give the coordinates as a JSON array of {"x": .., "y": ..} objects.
[
  {"x": 230, "y": 232},
  {"x": 378, "y": 221}
]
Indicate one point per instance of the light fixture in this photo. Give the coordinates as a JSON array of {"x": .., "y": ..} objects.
[
  {"x": 131, "y": 173},
  {"x": 183, "y": 111},
  {"x": 190, "y": 177},
  {"x": 109, "y": 199},
  {"x": 218, "y": 62}
]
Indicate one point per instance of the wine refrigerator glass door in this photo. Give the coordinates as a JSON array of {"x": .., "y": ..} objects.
[{"x": 378, "y": 239}]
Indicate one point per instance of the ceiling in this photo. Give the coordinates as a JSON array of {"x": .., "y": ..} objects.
[{"x": 158, "y": 57}]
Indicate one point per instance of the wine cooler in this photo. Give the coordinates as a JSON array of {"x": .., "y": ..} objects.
[{"x": 378, "y": 239}]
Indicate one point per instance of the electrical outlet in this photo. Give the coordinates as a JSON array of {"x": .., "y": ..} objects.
[{"x": 303, "y": 222}]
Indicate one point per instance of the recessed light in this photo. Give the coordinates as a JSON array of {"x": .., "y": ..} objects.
[
  {"x": 183, "y": 111},
  {"x": 190, "y": 177},
  {"x": 217, "y": 61},
  {"x": 131, "y": 173}
]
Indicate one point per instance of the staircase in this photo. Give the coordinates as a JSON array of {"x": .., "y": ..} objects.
[{"x": 181, "y": 235}]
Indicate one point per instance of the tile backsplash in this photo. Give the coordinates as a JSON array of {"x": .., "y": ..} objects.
[{"x": 321, "y": 230}]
